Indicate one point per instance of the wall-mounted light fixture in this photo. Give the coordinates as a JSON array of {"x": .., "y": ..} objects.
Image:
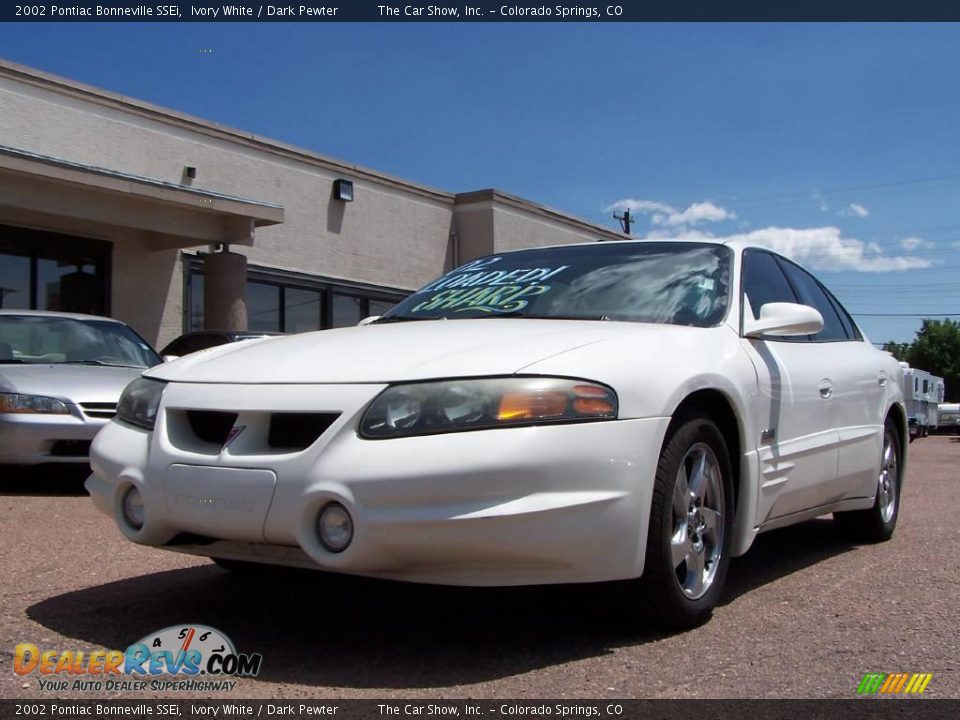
[{"x": 343, "y": 190}]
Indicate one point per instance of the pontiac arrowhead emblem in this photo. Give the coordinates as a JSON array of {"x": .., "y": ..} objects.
[{"x": 232, "y": 435}]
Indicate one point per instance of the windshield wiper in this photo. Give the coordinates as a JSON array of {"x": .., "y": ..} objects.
[
  {"x": 521, "y": 314},
  {"x": 94, "y": 362},
  {"x": 604, "y": 318},
  {"x": 516, "y": 314},
  {"x": 13, "y": 361},
  {"x": 397, "y": 318}
]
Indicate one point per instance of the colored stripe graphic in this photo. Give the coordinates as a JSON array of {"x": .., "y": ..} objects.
[
  {"x": 894, "y": 683},
  {"x": 918, "y": 683},
  {"x": 871, "y": 683}
]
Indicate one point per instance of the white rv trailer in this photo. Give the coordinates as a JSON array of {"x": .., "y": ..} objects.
[
  {"x": 923, "y": 393},
  {"x": 950, "y": 418}
]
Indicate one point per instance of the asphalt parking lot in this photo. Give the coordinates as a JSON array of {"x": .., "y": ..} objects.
[{"x": 805, "y": 614}]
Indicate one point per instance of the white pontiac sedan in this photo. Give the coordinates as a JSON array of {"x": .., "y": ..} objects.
[{"x": 611, "y": 411}]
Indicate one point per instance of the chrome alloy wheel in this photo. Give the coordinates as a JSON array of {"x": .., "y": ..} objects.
[
  {"x": 888, "y": 479},
  {"x": 696, "y": 540}
]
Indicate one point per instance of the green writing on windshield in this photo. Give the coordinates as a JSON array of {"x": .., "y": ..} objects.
[
  {"x": 505, "y": 298},
  {"x": 476, "y": 287}
]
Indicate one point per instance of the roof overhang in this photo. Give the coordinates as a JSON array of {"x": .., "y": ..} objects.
[{"x": 182, "y": 215}]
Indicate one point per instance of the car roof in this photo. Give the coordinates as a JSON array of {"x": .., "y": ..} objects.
[
  {"x": 61, "y": 315},
  {"x": 734, "y": 243}
]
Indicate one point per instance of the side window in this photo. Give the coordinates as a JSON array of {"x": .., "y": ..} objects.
[
  {"x": 848, "y": 325},
  {"x": 763, "y": 281},
  {"x": 810, "y": 293}
]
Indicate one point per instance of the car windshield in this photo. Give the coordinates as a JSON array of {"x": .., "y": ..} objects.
[
  {"x": 656, "y": 282},
  {"x": 43, "y": 340}
]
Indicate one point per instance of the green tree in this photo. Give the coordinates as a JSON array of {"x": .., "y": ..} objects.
[
  {"x": 936, "y": 349},
  {"x": 898, "y": 350}
]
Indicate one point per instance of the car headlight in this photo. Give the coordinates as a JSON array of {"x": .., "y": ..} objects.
[
  {"x": 16, "y": 403},
  {"x": 140, "y": 401},
  {"x": 456, "y": 405}
]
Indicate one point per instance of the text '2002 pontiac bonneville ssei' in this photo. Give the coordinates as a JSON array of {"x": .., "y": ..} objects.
[{"x": 615, "y": 411}]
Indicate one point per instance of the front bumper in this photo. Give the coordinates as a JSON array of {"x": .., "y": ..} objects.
[
  {"x": 548, "y": 504},
  {"x": 33, "y": 439}
]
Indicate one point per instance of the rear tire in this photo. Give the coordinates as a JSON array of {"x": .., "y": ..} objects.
[
  {"x": 691, "y": 525},
  {"x": 877, "y": 523}
]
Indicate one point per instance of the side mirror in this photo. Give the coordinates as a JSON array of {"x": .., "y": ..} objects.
[
  {"x": 368, "y": 320},
  {"x": 786, "y": 319}
]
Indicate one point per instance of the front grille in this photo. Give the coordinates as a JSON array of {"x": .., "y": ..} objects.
[
  {"x": 211, "y": 426},
  {"x": 71, "y": 448},
  {"x": 297, "y": 431},
  {"x": 99, "y": 409}
]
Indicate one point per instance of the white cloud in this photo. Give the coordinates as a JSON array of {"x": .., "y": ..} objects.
[
  {"x": 823, "y": 248},
  {"x": 912, "y": 243},
  {"x": 666, "y": 215},
  {"x": 820, "y": 248},
  {"x": 853, "y": 210},
  {"x": 821, "y": 202}
]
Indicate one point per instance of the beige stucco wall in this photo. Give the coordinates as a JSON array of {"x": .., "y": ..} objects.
[
  {"x": 514, "y": 229},
  {"x": 389, "y": 235},
  {"x": 489, "y": 221},
  {"x": 395, "y": 233}
]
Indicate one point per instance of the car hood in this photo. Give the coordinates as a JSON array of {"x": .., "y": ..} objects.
[
  {"x": 417, "y": 350},
  {"x": 76, "y": 383}
]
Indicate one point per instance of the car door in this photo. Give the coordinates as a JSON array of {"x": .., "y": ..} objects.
[
  {"x": 857, "y": 399},
  {"x": 797, "y": 447}
]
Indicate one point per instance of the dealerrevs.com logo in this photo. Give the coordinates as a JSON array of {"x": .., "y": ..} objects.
[
  {"x": 894, "y": 683},
  {"x": 171, "y": 659}
]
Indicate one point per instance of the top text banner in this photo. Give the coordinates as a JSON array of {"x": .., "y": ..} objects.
[{"x": 486, "y": 11}]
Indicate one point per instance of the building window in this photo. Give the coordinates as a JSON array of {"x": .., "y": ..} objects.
[
  {"x": 263, "y": 307},
  {"x": 302, "y": 310},
  {"x": 48, "y": 271},
  {"x": 281, "y": 301},
  {"x": 347, "y": 310},
  {"x": 15, "y": 282},
  {"x": 194, "y": 303},
  {"x": 379, "y": 307}
]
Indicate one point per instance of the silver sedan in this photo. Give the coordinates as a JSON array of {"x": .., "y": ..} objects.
[{"x": 61, "y": 375}]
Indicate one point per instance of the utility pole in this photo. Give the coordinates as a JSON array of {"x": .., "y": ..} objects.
[{"x": 625, "y": 220}]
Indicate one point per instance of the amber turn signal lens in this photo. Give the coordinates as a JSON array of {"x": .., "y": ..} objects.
[
  {"x": 593, "y": 400},
  {"x": 532, "y": 405},
  {"x": 591, "y": 406}
]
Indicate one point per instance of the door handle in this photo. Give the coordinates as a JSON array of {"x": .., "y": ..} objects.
[{"x": 826, "y": 388}]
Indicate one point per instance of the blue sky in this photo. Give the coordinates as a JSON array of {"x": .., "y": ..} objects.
[{"x": 835, "y": 143}]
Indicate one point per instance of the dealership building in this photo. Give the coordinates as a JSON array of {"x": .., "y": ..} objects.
[{"x": 114, "y": 206}]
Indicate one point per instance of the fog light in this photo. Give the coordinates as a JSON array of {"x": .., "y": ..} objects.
[
  {"x": 133, "y": 511},
  {"x": 335, "y": 527}
]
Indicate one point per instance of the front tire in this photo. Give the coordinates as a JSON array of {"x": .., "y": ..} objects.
[
  {"x": 691, "y": 524},
  {"x": 877, "y": 523}
]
